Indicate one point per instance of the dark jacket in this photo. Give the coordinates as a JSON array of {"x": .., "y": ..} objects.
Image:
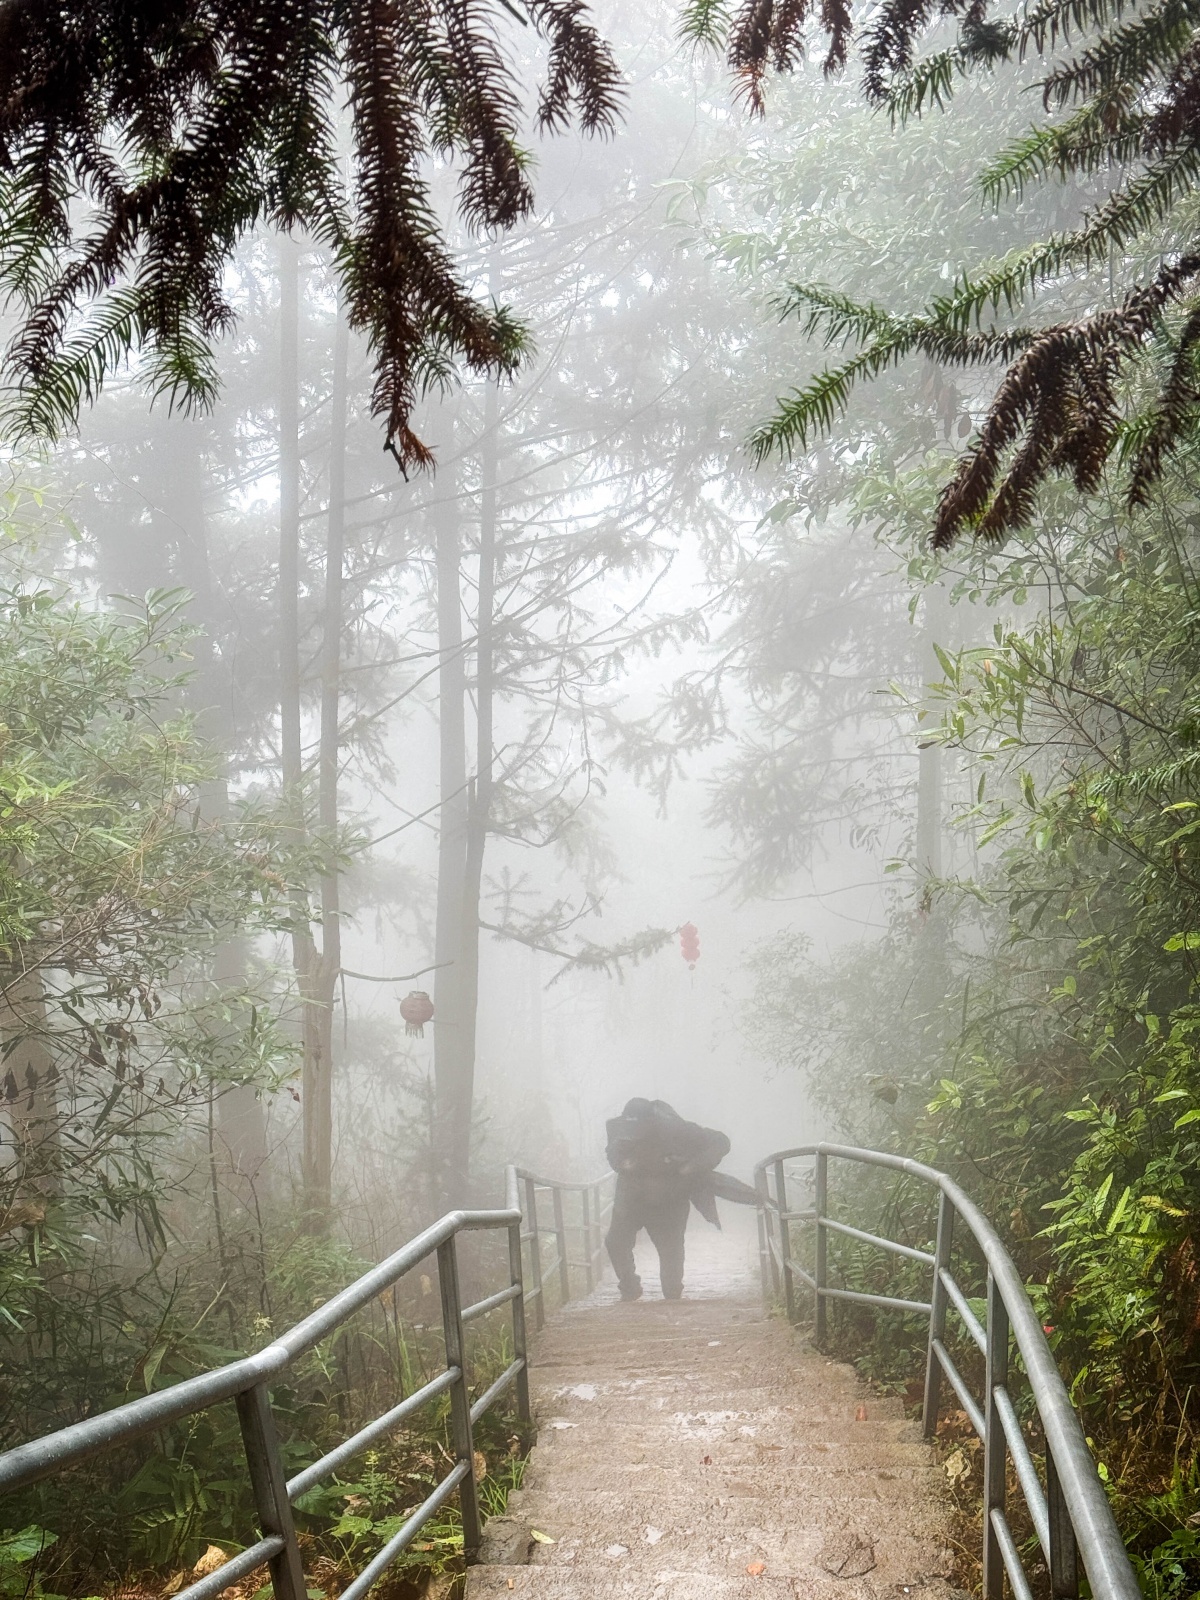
[{"x": 652, "y": 1149}]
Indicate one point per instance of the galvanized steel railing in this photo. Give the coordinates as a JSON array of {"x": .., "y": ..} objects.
[
  {"x": 247, "y": 1382},
  {"x": 595, "y": 1207},
  {"x": 1070, "y": 1513}
]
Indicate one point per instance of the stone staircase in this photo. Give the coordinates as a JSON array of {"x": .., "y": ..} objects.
[{"x": 702, "y": 1450}]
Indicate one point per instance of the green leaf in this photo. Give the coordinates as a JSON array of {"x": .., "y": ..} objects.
[{"x": 26, "y": 1545}]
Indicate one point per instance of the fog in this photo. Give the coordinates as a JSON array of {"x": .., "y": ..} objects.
[{"x": 703, "y": 674}]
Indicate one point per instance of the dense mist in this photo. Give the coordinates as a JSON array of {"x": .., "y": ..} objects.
[{"x": 490, "y": 500}]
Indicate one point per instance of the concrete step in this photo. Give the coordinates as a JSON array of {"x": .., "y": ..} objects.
[
  {"x": 588, "y": 1402},
  {"x": 860, "y": 1506},
  {"x": 654, "y": 1488},
  {"x": 608, "y": 1583},
  {"x": 825, "y": 1474},
  {"x": 702, "y": 1450},
  {"x": 723, "y": 1541},
  {"x": 748, "y": 1437}
]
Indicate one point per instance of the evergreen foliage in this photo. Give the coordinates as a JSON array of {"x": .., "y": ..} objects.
[
  {"x": 1131, "y": 90},
  {"x": 139, "y": 145}
]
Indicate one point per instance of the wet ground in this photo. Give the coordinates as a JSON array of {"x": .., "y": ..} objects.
[{"x": 702, "y": 1450}]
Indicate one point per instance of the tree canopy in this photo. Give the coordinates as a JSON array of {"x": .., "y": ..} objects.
[{"x": 1121, "y": 95}]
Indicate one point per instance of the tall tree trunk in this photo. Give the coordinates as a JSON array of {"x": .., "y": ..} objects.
[
  {"x": 930, "y": 776},
  {"x": 451, "y": 1062},
  {"x": 314, "y": 1090},
  {"x": 929, "y": 811},
  {"x": 933, "y": 934},
  {"x": 327, "y": 967},
  {"x": 479, "y": 795},
  {"x": 240, "y": 1136}
]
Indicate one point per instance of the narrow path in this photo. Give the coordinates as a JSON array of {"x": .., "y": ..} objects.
[{"x": 702, "y": 1450}]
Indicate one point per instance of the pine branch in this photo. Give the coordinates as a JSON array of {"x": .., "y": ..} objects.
[
  {"x": 705, "y": 23},
  {"x": 225, "y": 114},
  {"x": 1131, "y": 54},
  {"x": 1097, "y": 137}
]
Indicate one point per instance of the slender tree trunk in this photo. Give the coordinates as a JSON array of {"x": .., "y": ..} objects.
[
  {"x": 240, "y": 1134},
  {"x": 929, "y": 811},
  {"x": 291, "y": 754},
  {"x": 479, "y": 806},
  {"x": 930, "y": 775},
  {"x": 314, "y": 1090},
  {"x": 933, "y": 972},
  {"x": 327, "y": 967},
  {"x": 450, "y": 1040}
]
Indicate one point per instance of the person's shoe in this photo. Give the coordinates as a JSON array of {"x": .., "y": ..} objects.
[
  {"x": 672, "y": 1294},
  {"x": 631, "y": 1291}
]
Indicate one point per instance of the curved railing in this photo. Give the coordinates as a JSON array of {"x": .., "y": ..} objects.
[
  {"x": 247, "y": 1382},
  {"x": 1070, "y": 1513}
]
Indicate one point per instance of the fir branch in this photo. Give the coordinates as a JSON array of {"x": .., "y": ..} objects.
[
  {"x": 225, "y": 114},
  {"x": 1130, "y": 55}
]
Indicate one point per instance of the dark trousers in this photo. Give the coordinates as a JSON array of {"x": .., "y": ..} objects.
[{"x": 664, "y": 1217}]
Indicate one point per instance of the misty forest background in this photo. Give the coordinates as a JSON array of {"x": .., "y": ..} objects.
[{"x": 285, "y": 735}]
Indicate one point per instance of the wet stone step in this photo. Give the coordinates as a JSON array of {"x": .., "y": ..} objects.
[
  {"x": 584, "y": 1583},
  {"x": 704, "y": 1449}
]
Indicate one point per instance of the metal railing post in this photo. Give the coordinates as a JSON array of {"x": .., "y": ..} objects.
[
  {"x": 516, "y": 1275},
  {"x": 1064, "y": 1553},
  {"x": 821, "y": 1261},
  {"x": 560, "y": 1235},
  {"x": 589, "y": 1258},
  {"x": 535, "y": 1254},
  {"x": 460, "y": 1397},
  {"x": 766, "y": 1261},
  {"x": 785, "y": 1242},
  {"x": 939, "y": 1301},
  {"x": 995, "y": 1449},
  {"x": 269, "y": 1483}
]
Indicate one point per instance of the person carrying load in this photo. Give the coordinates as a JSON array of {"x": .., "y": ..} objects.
[{"x": 664, "y": 1166}]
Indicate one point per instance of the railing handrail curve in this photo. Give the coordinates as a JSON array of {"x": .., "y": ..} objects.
[
  {"x": 25, "y": 1463},
  {"x": 573, "y": 1186},
  {"x": 246, "y": 1380},
  {"x": 1096, "y": 1534}
]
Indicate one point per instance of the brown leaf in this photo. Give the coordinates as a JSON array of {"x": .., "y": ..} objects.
[
  {"x": 212, "y": 1558},
  {"x": 756, "y": 1568},
  {"x": 861, "y": 1414}
]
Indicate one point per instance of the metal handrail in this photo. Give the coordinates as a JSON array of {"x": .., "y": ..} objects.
[
  {"x": 595, "y": 1206},
  {"x": 247, "y": 1381},
  {"x": 1071, "y": 1516}
]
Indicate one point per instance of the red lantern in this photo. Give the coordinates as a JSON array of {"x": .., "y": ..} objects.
[
  {"x": 689, "y": 944},
  {"x": 417, "y": 1009}
]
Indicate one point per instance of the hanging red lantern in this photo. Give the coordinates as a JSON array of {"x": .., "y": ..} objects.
[
  {"x": 417, "y": 1009},
  {"x": 689, "y": 944}
]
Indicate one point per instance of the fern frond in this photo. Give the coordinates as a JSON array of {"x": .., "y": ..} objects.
[
  {"x": 926, "y": 84},
  {"x": 1054, "y": 21},
  {"x": 833, "y": 315}
]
